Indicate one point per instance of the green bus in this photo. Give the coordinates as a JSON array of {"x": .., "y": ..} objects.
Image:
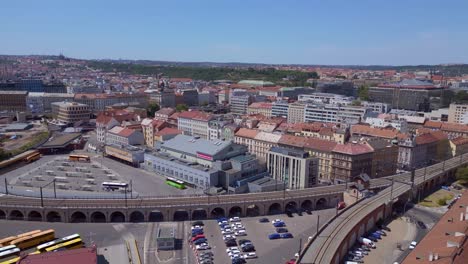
[{"x": 175, "y": 183}]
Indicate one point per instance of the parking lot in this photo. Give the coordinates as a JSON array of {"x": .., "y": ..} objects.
[{"x": 268, "y": 251}]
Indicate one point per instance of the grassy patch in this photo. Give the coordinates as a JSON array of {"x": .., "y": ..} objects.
[
  {"x": 35, "y": 140},
  {"x": 437, "y": 199}
]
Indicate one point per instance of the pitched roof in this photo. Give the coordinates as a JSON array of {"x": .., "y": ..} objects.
[
  {"x": 247, "y": 133},
  {"x": 375, "y": 132},
  {"x": 433, "y": 124},
  {"x": 196, "y": 115},
  {"x": 268, "y": 137},
  {"x": 165, "y": 111},
  {"x": 168, "y": 131},
  {"x": 294, "y": 141},
  {"x": 319, "y": 144},
  {"x": 460, "y": 141},
  {"x": 353, "y": 149},
  {"x": 426, "y": 139}
]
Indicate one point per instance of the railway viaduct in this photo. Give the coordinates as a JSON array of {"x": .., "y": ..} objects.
[{"x": 335, "y": 238}]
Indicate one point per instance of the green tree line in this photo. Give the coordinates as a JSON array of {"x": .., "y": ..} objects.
[{"x": 281, "y": 77}]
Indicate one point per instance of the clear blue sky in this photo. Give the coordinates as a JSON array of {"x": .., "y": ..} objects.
[{"x": 390, "y": 32}]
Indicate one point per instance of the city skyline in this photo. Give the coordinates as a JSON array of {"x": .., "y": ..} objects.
[{"x": 364, "y": 33}]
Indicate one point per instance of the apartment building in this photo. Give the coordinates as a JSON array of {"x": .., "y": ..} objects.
[
  {"x": 108, "y": 119},
  {"x": 150, "y": 128},
  {"x": 458, "y": 113},
  {"x": 194, "y": 123},
  {"x": 296, "y": 113},
  {"x": 260, "y": 108},
  {"x": 164, "y": 113},
  {"x": 350, "y": 160},
  {"x": 124, "y": 136},
  {"x": 258, "y": 143},
  {"x": 323, "y": 150},
  {"x": 70, "y": 112},
  {"x": 296, "y": 168}
]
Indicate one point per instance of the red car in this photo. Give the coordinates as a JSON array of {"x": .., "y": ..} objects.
[
  {"x": 341, "y": 205},
  {"x": 197, "y": 237},
  {"x": 292, "y": 261}
]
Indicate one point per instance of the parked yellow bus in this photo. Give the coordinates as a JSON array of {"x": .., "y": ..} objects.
[
  {"x": 72, "y": 244},
  {"x": 33, "y": 157},
  {"x": 42, "y": 247},
  {"x": 75, "y": 157},
  {"x": 34, "y": 240},
  {"x": 10, "y": 261},
  {"x": 6, "y": 241}
]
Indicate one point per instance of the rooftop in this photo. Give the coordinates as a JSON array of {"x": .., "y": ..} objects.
[
  {"x": 71, "y": 256},
  {"x": 194, "y": 146},
  {"x": 447, "y": 239}
]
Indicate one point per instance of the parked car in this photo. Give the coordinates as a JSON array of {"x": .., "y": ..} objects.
[
  {"x": 240, "y": 233},
  {"x": 286, "y": 235},
  {"x": 413, "y": 244},
  {"x": 421, "y": 225},
  {"x": 279, "y": 224},
  {"x": 235, "y": 219},
  {"x": 226, "y": 232},
  {"x": 195, "y": 238},
  {"x": 234, "y": 252},
  {"x": 227, "y": 237},
  {"x": 221, "y": 219},
  {"x": 248, "y": 248},
  {"x": 200, "y": 241},
  {"x": 244, "y": 241},
  {"x": 203, "y": 246},
  {"x": 238, "y": 261},
  {"x": 308, "y": 211},
  {"x": 381, "y": 232},
  {"x": 274, "y": 236},
  {"x": 263, "y": 220},
  {"x": 210, "y": 254},
  {"x": 281, "y": 230},
  {"x": 198, "y": 223},
  {"x": 341, "y": 205},
  {"x": 250, "y": 255},
  {"x": 229, "y": 249},
  {"x": 197, "y": 227},
  {"x": 230, "y": 243},
  {"x": 276, "y": 221}
]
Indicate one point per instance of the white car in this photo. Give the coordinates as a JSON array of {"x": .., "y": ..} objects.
[
  {"x": 235, "y": 219},
  {"x": 236, "y": 224},
  {"x": 203, "y": 246},
  {"x": 233, "y": 252},
  {"x": 237, "y": 228},
  {"x": 226, "y": 237},
  {"x": 223, "y": 223},
  {"x": 236, "y": 256},
  {"x": 240, "y": 233},
  {"x": 250, "y": 255},
  {"x": 276, "y": 221},
  {"x": 197, "y": 227},
  {"x": 226, "y": 232},
  {"x": 413, "y": 244},
  {"x": 231, "y": 249}
]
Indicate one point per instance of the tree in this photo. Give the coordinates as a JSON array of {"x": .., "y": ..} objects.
[
  {"x": 3, "y": 154},
  {"x": 181, "y": 107},
  {"x": 462, "y": 175},
  {"x": 363, "y": 92},
  {"x": 151, "y": 109}
]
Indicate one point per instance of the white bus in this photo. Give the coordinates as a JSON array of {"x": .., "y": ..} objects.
[
  {"x": 112, "y": 186},
  {"x": 2, "y": 249},
  {"x": 42, "y": 247}
]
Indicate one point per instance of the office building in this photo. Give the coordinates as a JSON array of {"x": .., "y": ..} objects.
[
  {"x": 329, "y": 113},
  {"x": 294, "y": 167},
  {"x": 280, "y": 109},
  {"x": 239, "y": 101},
  {"x": 70, "y": 112},
  {"x": 457, "y": 113},
  {"x": 99, "y": 102},
  {"x": 13, "y": 101},
  {"x": 258, "y": 142}
]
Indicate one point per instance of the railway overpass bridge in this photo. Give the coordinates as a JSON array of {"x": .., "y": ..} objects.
[
  {"x": 166, "y": 208},
  {"x": 333, "y": 240}
]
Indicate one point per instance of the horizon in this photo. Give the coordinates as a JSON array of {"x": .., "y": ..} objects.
[{"x": 365, "y": 33}]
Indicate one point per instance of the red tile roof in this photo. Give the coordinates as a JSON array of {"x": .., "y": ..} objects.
[
  {"x": 72, "y": 256},
  {"x": 426, "y": 139},
  {"x": 353, "y": 149},
  {"x": 247, "y": 133},
  {"x": 365, "y": 130},
  {"x": 460, "y": 141},
  {"x": 168, "y": 131},
  {"x": 433, "y": 124},
  {"x": 196, "y": 115},
  {"x": 294, "y": 141},
  {"x": 319, "y": 144}
]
